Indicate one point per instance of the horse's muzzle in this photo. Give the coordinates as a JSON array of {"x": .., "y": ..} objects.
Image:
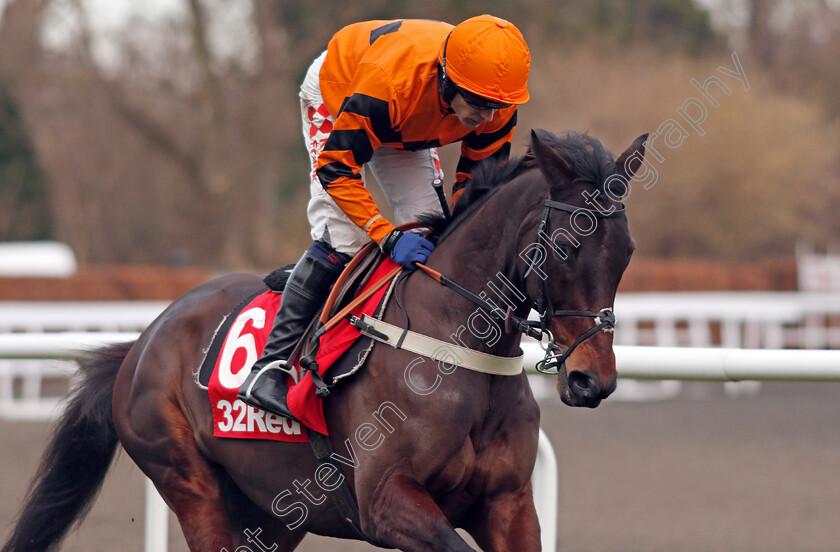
[{"x": 582, "y": 388}]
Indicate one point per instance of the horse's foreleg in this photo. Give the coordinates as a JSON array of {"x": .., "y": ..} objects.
[
  {"x": 402, "y": 514},
  {"x": 507, "y": 523}
]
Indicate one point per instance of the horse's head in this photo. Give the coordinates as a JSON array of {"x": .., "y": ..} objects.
[{"x": 580, "y": 252}]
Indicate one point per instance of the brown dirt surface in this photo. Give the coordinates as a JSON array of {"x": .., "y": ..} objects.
[{"x": 704, "y": 473}]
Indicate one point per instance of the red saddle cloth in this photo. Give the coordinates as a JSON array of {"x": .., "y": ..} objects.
[{"x": 242, "y": 346}]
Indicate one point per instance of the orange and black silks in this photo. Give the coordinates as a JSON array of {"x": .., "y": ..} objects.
[{"x": 380, "y": 82}]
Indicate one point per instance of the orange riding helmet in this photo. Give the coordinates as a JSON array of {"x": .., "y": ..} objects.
[{"x": 488, "y": 57}]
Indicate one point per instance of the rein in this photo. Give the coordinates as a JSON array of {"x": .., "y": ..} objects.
[
  {"x": 507, "y": 317},
  {"x": 554, "y": 355}
]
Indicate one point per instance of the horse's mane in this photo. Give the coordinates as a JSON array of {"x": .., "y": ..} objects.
[{"x": 586, "y": 156}]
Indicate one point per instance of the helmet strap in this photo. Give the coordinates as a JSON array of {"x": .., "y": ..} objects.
[
  {"x": 445, "y": 86},
  {"x": 446, "y": 89}
]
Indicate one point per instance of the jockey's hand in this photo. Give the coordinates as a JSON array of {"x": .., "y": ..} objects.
[{"x": 407, "y": 248}]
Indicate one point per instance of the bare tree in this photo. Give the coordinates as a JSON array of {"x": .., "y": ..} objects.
[
  {"x": 172, "y": 152},
  {"x": 216, "y": 141}
]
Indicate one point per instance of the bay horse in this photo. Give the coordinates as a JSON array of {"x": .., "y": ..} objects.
[{"x": 424, "y": 450}]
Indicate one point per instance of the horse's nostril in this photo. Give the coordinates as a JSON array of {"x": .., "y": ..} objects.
[{"x": 584, "y": 384}]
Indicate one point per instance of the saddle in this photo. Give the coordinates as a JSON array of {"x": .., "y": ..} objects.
[{"x": 331, "y": 350}]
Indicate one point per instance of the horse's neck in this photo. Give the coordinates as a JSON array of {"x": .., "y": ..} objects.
[{"x": 481, "y": 255}]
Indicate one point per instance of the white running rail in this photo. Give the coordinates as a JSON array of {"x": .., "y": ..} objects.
[{"x": 772, "y": 320}]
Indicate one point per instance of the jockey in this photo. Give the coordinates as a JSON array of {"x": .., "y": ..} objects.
[{"x": 386, "y": 94}]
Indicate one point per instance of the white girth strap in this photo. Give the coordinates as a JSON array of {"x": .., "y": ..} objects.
[{"x": 442, "y": 351}]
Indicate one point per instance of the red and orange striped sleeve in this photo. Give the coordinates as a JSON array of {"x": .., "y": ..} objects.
[{"x": 363, "y": 124}]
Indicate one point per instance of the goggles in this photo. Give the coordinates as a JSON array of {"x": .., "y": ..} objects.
[{"x": 477, "y": 102}]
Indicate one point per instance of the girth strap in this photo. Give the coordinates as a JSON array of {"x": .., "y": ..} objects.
[{"x": 342, "y": 497}]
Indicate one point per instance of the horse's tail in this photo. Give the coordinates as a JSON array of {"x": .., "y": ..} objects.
[{"x": 76, "y": 460}]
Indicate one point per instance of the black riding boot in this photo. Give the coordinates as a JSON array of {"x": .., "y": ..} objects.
[{"x": 305, "y": 291}]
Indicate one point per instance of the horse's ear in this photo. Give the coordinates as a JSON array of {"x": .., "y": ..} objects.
[
  {"x": 630, "y": 161},
  {"x": 549, "y": 161}
]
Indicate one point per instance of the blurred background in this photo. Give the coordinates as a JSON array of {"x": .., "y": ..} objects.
[
  {"x": 146, "y": 147},
  {"x": 167, "y": 132}
]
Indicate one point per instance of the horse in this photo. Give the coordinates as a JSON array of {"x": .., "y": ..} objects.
[{"x": 423, "y": 448}]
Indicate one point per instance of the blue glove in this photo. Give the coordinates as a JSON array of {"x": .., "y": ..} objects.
[{"x": 409, "y": 248}]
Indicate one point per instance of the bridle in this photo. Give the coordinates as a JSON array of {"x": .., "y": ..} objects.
[
  {"x": 554, "y": 356},
  {"x": 604, "y": 319}
]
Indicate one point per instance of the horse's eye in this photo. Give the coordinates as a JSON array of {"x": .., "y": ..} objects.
[{"x": 563, "y": 252}]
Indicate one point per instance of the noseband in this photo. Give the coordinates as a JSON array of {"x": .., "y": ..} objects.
[{"x": 604, "y": 319}]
